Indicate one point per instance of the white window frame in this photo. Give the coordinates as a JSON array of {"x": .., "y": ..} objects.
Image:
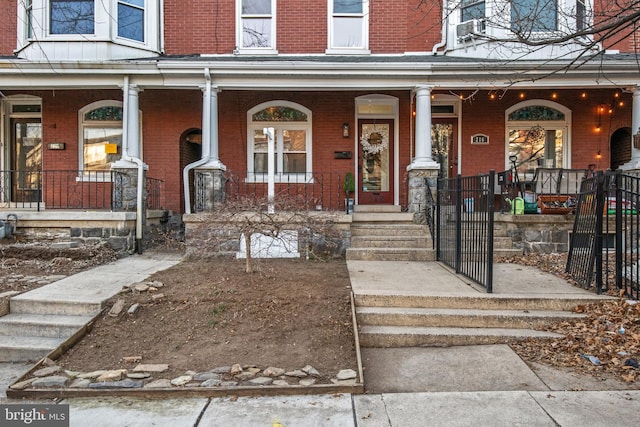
[
  {"x": 307, "y": 176},
  {"x": 364, "y": 16},
  {"x": 105, "y": 25},
  {"x": 563, "y": 125},
  {"x": 98, "y": 176},
  {"x": 271, "y": 50}
]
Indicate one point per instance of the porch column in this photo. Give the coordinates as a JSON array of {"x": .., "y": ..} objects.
[
  {"x": 634, "y": 163},
  {"x": 209, "y": 180},
  {"x": 422, "y": 169}
]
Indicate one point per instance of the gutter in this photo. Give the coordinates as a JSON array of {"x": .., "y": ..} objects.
[
  {"x": 206, "y": 142},
  {"x": 445, "y": 25},
  {"x": 140, "y": 165}
]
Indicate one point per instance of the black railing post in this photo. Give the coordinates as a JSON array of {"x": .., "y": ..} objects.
[
  {"x": 490, "y": 232},
  {"x": 438, "y": 219},
  {"x": 598, "y": 242},
  {"x": 619, "y": 230},
  {"x": 458, "y": 198}
]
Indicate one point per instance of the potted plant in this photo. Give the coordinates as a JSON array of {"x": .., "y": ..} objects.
[{"x": 349, "y": 189}]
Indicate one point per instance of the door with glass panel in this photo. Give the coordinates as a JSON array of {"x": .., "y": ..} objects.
[
  {"x": 26, "y": 160},
  {"x": 375, "y": 162},
  {"x": 443, "y": 147}
]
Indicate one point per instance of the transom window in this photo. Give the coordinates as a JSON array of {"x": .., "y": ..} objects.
[
  {"x": 256, "y": 24},
  {"x": 348, "y": 24},
  {"x": 529, "y": 16},
  {"x": 537, "y": 136},
  {"x": 101, "y": 135},
  {"x": 72, "y": 16},
  {"x": 285, "y": 128}
]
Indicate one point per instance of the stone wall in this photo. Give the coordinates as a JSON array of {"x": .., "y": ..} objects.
[
  {"x": 206, "y": 235},
  {"x": 536, "y": 233}
]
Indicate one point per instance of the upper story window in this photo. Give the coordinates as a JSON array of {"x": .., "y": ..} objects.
[
  {"x": 256, "y": 26},
  {"x": 581, "y": 15},
  {"x": 131, "y": 19},
  {"x": 529, "y": 16},
  {"x": 285, "y": 128},
  {"x": 348, "y": 25},
  {"x": 72, "y": 16},
  {"x": 472, "y": 9},
  {"x": 133, "y": 26},
  {"x": 101, "y": 135}
]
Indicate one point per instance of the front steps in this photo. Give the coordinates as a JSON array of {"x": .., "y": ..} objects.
[
  {"x": 383, "y": 233},
  {"x": 34, "y": 328},
  {"x": 414, "y": 321}
]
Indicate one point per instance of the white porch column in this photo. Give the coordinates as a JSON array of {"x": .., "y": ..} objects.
[
  {"x": 423, "y": 159},
  {"x": 210, "y": 141},
  {"x": 133, "y": 122},
  {"x": 634, "y": 163},
  {"x": 422, "y": 168}
]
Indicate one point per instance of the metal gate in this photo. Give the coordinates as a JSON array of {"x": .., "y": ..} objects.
[
  {"x": 464, "y": 236},
  {"x": 605, "y": 245}
]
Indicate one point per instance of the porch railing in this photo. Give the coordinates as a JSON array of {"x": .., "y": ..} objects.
[
  {"x": 309, "y": 191},
  {"x": 66, "y": 189},
  {"x": 464, "y": 236}
]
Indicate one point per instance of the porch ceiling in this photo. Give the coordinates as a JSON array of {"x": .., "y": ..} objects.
[{"x": 375, "y": 72}]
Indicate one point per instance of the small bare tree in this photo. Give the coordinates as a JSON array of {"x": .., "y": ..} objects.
[{"x": 274, "y": 221}]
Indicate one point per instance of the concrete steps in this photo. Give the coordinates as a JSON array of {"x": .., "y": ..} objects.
[
  {"x": 35, "y": 327},
  {"x": 383, "y": 233},
  {"x": 410, "y": 320}
]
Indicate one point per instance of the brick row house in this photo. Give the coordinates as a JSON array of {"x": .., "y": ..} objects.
[{"x": 196, "y": 100}]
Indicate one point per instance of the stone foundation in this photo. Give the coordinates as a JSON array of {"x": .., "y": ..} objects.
[{"x": 536, "y": 233}]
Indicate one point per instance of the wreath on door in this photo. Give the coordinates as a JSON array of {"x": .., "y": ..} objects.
[{"x": 375, "y": 141}]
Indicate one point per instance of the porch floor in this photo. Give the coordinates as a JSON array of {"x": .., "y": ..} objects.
[{"x": 403, "y": 278}]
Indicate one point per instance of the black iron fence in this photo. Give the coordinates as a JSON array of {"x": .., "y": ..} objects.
[
  {"x": 310, "y": 191},
  {"x": 464, "y": 235},
  {"x": 67, "y": 189},
  {"x": 604, "y": 250}
]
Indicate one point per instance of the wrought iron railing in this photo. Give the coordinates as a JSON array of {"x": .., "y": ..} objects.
[
  {"x": 308, "y": 191},
  {"x": 464, "y": 235},
  {"x": 429, "y": 210},
  {"x": 604, "y": 250},
  {"x": 67, "y": 189}
]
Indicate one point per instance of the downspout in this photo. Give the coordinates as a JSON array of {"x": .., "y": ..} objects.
[
  {"x": 206, "y": 137},
  {"x": 445, "y": 26},
  {"x": 139, "y": 163}
]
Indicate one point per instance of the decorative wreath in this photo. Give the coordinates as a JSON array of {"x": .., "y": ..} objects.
[{"x": 376, "y": 147}]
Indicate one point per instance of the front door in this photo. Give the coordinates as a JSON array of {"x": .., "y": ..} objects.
[
  {"x": 26, "y": 159},
  {"x": 443, "y": 147},
  {"x": 375, "y": 162}
]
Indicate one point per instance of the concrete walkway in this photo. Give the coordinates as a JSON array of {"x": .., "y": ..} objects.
[{"x": 457, "y": 386}]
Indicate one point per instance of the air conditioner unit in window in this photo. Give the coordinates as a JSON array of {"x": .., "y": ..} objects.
[{"x": 470, "y": 29}]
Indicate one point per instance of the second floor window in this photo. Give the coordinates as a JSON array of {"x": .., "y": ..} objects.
[
  {"x": 528, "y": 16},
  {"x": 472, "y": 9},
  {"x": 257, "y": 23},
  {"x": 348, "y": 24},
  {"x": 581, "y": 15},
  {"x": 72, "y": 16},
  {"x": 131, "y": 19}
]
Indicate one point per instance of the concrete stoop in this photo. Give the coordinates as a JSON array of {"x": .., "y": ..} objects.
[
  {"x": 32, "y": 331},
  {"x": 379, "y": 235},
  {"x": 387, "y": 321}
]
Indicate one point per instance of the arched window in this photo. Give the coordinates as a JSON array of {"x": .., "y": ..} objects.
[
  {"x": 284, "y": 127},
  {"x": 538, "y": 136},
  {"x": 100, "y": 135}
]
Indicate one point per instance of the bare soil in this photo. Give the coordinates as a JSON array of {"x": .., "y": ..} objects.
[{"x": 210, "y": 313}]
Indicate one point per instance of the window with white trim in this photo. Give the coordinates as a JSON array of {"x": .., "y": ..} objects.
[
  {"x": 472, "y": 9},
  {"x": 127, "y": 23},
  {"x": 286, "y": 127},
  {"x": 348, "y": 25},
  {"x": 529, "y": 16},
  {"x": 256, "y": 25},
  {"x": 100, "y": 135},
  {"x": 72, "y": 16},
  {"x": 537, "y": 136}
]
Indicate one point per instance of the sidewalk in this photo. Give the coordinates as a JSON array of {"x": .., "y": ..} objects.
[{"x": 455, "y": 386}]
